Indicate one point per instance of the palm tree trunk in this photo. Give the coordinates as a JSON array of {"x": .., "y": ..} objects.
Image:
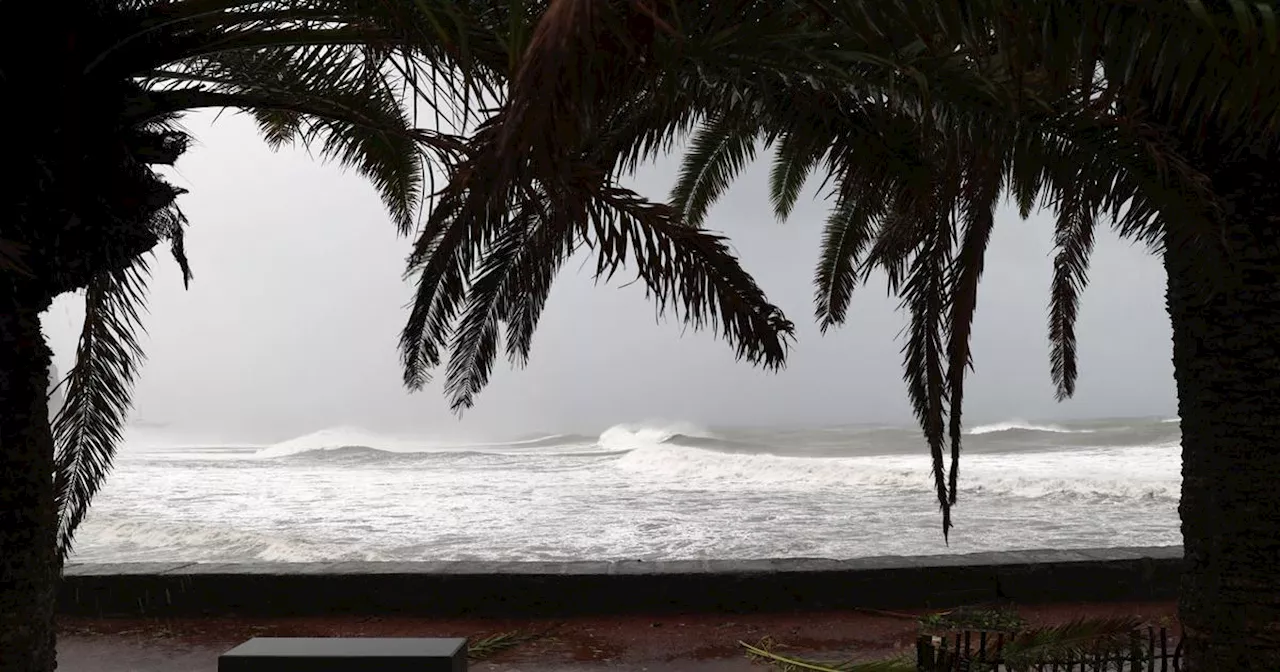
[
  {"x": 29, "y": 562},
  {"x": 1226, "y": 354}
]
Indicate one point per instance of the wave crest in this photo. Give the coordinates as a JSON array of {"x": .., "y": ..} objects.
[
  {"x": 633, "y": 436},
  {"x": 1024, "y": 426},
  {"x": 334, "y": 438},
  {"x": 353, "y": 443}
]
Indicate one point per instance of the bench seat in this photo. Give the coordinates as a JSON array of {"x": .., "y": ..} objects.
[{"x": 346, "y": 654}]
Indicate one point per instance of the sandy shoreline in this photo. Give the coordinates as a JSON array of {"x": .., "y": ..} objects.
[{"x": 695, "y": 641}]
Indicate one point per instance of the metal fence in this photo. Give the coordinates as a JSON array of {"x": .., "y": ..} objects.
[{"x": 1150, "y": 650}]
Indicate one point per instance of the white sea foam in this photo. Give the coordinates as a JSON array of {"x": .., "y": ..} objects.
[
  {"x": 1011, "y": 425},
  {"x": 1102, "y": 473},
  {"x": 634, "y": 436},
  {"x": 147, "y": 539},
  {"x": 653, "y": 490},
  {"x": 335, "y": 438}
]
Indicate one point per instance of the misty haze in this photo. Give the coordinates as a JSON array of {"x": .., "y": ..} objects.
[
  {"x": 639, "y": 335},
  {"x": 271, "y": 422}
]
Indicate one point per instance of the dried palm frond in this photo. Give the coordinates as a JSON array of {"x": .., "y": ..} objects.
[
  {"x": 1081, "y": 639},
  {"x": 491, "y": 645},
  {"x": 763, "y": 652}
]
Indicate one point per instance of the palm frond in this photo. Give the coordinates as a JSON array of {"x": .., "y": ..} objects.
[
  {"x": 91, "y": 421},
  {"x": 546, "y": 251},
  {"x": 1075, "y": 640},
  {"x": 1027, "y": 175},
  {"x": 720, "y": 150},
  {"x": 483, "y": 648},
  {"x": 850, "y": 228},
  {"x": 511, "y": 283},
  {"x": 763, "y": 652},
  {"x": 798, "y": 153},
  {"x": 1055, "y": 89},
  {"x": 171, "y": 225},
  {"x": 924, "y": 295},
  {"x": 688, "y": 271},
  {"x": 489, "y": 250},
  {"x": 982, "y": 189},
  {"x": 652, "y": 125},
  {"x": 1094, "y": 108},
  {"x": 1073, "y": 240},
  {"x": 448, "y": 53},
  {"x": 442, "y": 258},
  {"x": 354, "y": 119}
]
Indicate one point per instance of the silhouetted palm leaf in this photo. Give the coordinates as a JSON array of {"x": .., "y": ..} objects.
[
  {"x": 97, "y": 397},
  {"x": 489, "y": 250},
  {"x": 513, "y": 278},
  {"x": 983, "y": 187},
  {"x": 342, "y": 77},
  {"x": 1093, "y": 108},
  {"x": 850, "y": 228},
  {"x": 718, "y": 153},
  {"x": 797, "y": 155},
  {"x": 921, "y": 115}
]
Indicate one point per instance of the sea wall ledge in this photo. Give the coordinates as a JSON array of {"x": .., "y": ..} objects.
[{"x": 629, "y": 586}]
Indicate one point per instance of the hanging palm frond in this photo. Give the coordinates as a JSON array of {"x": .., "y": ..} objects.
[
  {"x": 488, "y": 251},
  {"x": 1074, "y": 106},
  {"x": 343, "y": 77},
  {"x": 540, "y": 107},
  {"x": 798, "y": 154},
  {"x": 511, "y": 283},
  {"x": 91, "y": 421},
  {"x": 982, "y": 188},
  {"x": 720, "y": 150}
]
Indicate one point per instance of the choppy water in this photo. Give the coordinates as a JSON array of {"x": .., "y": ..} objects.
[{"x": 652, "y": 492}]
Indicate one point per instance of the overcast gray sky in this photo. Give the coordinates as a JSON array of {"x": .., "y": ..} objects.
[{"x": 290, "y": 325}]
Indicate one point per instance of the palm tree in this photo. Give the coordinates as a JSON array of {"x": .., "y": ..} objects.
[
  {"x": 1157, "y": 117},
  {"x": 95, "y": 90},
  {"x": 1147, "y": 112}
]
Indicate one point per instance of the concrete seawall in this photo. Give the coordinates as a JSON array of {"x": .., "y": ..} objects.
[{"x": 568, "y": 588}]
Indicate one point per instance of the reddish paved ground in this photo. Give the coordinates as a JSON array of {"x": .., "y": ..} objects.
[{"x": 695, "y": 642}]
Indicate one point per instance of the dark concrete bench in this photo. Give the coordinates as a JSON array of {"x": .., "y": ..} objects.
[{"x": 342, "y": 654}]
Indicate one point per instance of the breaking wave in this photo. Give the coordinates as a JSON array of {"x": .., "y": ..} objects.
[
  {"x": 684, "y": 453},
  {"x": 1022, "y": 425},
  {"x": 355, "y": 444},
  {"x": 660, "y": 490}
]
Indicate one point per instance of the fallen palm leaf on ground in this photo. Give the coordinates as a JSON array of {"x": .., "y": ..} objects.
[
  {"x": 487, "y": 647},
  {"x": 762, "y": 652}
]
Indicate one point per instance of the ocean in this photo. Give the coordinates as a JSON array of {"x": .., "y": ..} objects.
[{"x": 648, "y": 491}]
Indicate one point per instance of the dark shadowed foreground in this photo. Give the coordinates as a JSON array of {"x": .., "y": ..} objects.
[{"x": 698, "y": 642}]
